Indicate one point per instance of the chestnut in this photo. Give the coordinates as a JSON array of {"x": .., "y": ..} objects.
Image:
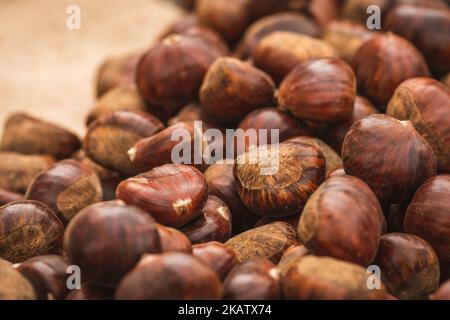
[
  {"x": 389, "y": 155},
  {"x": 173, "y": 194},
  {"x": 334, "y": 134},
  {"x": 217, "y": 256},
  {"x": 190, "y": 112},
  {"x": 213, "y": 224},
  {"x": 107, "y": 239},
  {"x": 428, "y": 216},
  {"x": 409, "y": 266},
  {"x": 443, "y": 293},
  {"x": 338, "y": 172},
  {"x": 7, "y": 196},
  {"x": 268, "y": 241},
  {"x": 279, "y": 52},
  {"x": 324, "y": 278},
  {"x": 279, "y": 187},
  {"x": 67, "y": 187},
  {"x": 173, "y": 240},
  {"x": 319, "y": 91},
  {"x": 91, "y": 292},
  {"x": 323, "y": 11},
  {"x": 28, "y": 135},
  {"x": 253, "y": 279},
  {"x": 18, "y": 170},
  {"x": 342, "y": 219},
  {"x": 385, "y": 61},
  {"x": 110, "y": 137},
  {"x": 14, "y": 286},
  {"x": 426, "y": 103},
  {"x": 232, "y": 89},
  {"x": 174, "y": 276},
  {"x": 48, "y": 275},
  {"x": 28, "y": 229},
  {"x": 290, "y": 258}
]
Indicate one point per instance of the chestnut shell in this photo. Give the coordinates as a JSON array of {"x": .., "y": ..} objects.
[
  {"x": 14, "y": 286},
  {"x": 217, "y": 256}
]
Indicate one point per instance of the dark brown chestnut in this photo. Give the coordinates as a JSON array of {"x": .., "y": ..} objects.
[
  {"x": 28, "y": 135},
  {"x": 253, "y": 279},
  {"x": 67, "y": 187},
  {"x": 443, "y": 293},
  {"x": 268, "y": 241},
  {"x": 173, "y": 240},
  {"x": 174, "y": 276},
  {"x": 344, "y": 220},
  {"x": 409, "y": 266},
  {"x": 91, "y": 292},
  {"x": 426, "y": 103},
  {"x": 290, "y": 258},
  {"x": 385, "y": 61},
  {"x": 319, "y": 91},
  {"x": 217, "y": 256},
  {"x": 7, "y": 196},
  {"x": 14, "y": 286},
  {"x": 48, "y": 275},
  {"x": 107, "y": 239},
  {"x": 110, "y": 137},
  {"x": 389, "y": 155},
  {"x": 190, "y": 112},
  {"x": 277, "y": 180},
  {"x": 28, "y": 229},
  {"x": 428, "y": 216},
  {"x": 173, "y": 194}
]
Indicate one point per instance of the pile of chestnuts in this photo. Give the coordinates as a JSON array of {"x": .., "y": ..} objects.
[{"x": 356, "y": 207}]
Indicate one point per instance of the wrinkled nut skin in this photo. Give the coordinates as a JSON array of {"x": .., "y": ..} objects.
[
  {"x": 443, "y": 293},
  {"x": 389, "y": 155},
  {"x": 319, "y": 91},
  {"x": 344, "y": 220},
  {"x": 217, "y": 256},
  {"x": 232, "y": 89},
  {"x": 428, "y": 28},
  {"x": 67, "y": 187},
  {"x": 428, "y": 216},
  {"x": 17, "y": 170},
  {"x": 91, "y": 292},
  {"x": 106, "y": 240},
  {"x": 290, "y": 258},
  {"x": 190, "y": 112},
  {"x": 109, "y": 138},
  {"x": 48, "y": 276},
  {"x": 383, "y": 62},
  {"x": 426, "y": 103},
  {"x": 254, "y": 279},
  {"x": 268, "y": 241},
  {"x": 174, "y": 276},
  {"x": 173, "y": 240},
  {"x": 324, "y": 278},
  {"x": 281, "y": 189},
  {"x": 334, "y": 134},
  {"x": 281, "y": 51},
  {"x": 173, "y": 194},
  {"x": 28, "y": 135},
  {"x": 409, "y": 266},
  {"x": 14, "y": 286},
  {"x": 213, "y": 224},
  {"x": 7, "y": 196},
  {"x": 28, "y": 229}
]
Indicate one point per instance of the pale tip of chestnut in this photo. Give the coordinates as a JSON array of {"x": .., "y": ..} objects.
[
  {"x": 224, "y": 213},
  {"x": 132, "y": 153},
  {"x": 181, "y": 205},
  {"x": 274, "y": 273},
  {"x": 138, "y": 180}
]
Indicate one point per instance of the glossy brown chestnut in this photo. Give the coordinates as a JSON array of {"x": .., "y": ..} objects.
[
  {"x": 344, "y": 220},
  {"x": 443, "y": 293},
  {"x": 232, "y": 89},
  {"x": 7, "y": 196},
  {"x": 48, "y": 276},
  {"x": 426, "y": 103},
  {"x": 28, "y": 229},
  {"x": 319, "y": 91},
  {"x": 28, "y": 135},
  {"x": 290, "y": 258},
  {"x": 174, "y": 276},
  {"x": 18, "y": 170},
  {"x": 409, "y": 266},
  {"x": 173, "y": 240},
  {"x": 253, "y": 279},
  {"x": 67, "y": 187},
  {"x": 217, "y": 256},
  {"x": 268, "y": 241},
  {"x": 14, "y": 286},
  {"x": 107, "y": 239},
  {"x": 428, "y": 216},
  {"x": 91, "y": 292},
  {"x": 279, "y": 52},
  {"x": 213, "y": 224},
  {"x": 110, "y": 137},
  {"x": 389, "y": 155},
  {"x": 279, "y": 187},
  {"x": 190, "y": 112},
  {"x": 173, "y": 194},
  {"x": 324, "y": 278},
  {"x": 385, "y": 61}
]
